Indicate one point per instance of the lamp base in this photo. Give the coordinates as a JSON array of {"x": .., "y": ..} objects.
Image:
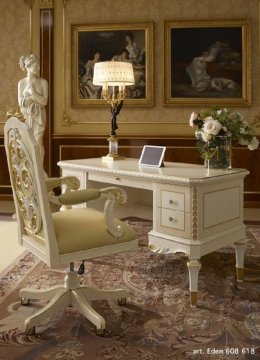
[
  {"x": 113, "y": 150},
  {"x": 112, "y": 157}
]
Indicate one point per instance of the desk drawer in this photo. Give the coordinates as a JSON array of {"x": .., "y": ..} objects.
[
  {"x": 172, "y": 219},
  {"x": 172, "y": 222},
  {"x": 120, "y": 180},
  {"x": 172, "y": 200}
]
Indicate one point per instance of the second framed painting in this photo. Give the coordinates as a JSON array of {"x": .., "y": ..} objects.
[
  {"x": 207, "y": 62},
  {"x": 132, "y": 42}
]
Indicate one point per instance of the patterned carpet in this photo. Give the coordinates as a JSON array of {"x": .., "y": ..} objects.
[{"x": 157, "y": 323}]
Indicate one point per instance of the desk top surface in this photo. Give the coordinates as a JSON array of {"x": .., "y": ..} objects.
[{"x": 173, "y": 172}]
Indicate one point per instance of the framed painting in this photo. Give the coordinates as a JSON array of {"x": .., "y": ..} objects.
[
  {"x": 207, "y": 62},
  {"x": 106, "y": 42}
]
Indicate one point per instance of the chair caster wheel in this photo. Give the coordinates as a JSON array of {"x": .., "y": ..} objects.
[
  {"x": 122, "y": 301},
  {"x": 25, "y": 301},
  {"x": 30, "y": 331},
  {"x": 100, "y": 332}
]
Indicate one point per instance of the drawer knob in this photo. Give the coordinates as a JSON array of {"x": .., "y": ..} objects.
[
  {"x": 171, "y": 219},
  {"x": 118, "y": 178},
  {"x": 172, "y": 202}
]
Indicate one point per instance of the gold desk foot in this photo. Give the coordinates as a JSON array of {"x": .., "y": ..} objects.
[
  {"x": 240, "y": 274},
  {"x": 193, "y": 298}
]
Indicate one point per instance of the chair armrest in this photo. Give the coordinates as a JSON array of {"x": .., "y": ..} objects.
[
  {"x": 70, "y": 182},
  {"x": 79, "y": 196},
  {"x": 114, "y": 195}
]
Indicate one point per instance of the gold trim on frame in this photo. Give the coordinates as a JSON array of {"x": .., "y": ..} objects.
[
  {"x": 46, "y": 4},
  {"x": 108, "y": 28},
  {"x": 192, "y": 98},
  {"x": 30, "y": 3}
]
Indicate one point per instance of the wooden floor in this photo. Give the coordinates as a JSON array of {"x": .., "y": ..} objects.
[{"x": 10, "y": 249}]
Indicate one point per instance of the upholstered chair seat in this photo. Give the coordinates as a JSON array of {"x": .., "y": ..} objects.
[{"x": 85, "y": 228}]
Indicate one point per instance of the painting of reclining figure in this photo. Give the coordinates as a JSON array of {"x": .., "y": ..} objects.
[{"x": 206, "y": 62}]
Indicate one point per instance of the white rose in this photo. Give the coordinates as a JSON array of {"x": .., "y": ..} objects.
[
  {"x": 205, "y": 136},
  {"x": 219, "y": 112},
  {"x": 243, "y": 141},
  {"x": 212, "y": 126},
  {"x": 253, "y": 144},
  {"x": 197, "y": 134},
  {"x": 209, "y": 118},
  {"x": 194, "y": 116}
]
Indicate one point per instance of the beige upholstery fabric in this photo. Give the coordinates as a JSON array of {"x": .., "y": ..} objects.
[
  {"x": 51, "y": 183},
  {"x": 85, "y": 228},
  {"x": 79, "y": 196}
]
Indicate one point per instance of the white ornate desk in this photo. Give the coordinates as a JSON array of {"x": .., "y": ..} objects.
[{"x": 195, "y": 211}]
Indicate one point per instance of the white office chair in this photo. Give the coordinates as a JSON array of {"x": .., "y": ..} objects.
[{"x": 74, "y": 234}]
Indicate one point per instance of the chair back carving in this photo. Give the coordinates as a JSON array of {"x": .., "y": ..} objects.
[
  {"x": 35, "y": 226},
  {"x": 25, "y": 187}
]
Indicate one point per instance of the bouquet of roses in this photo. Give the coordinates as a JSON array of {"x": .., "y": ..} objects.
[{"x": 215, "y": 122}]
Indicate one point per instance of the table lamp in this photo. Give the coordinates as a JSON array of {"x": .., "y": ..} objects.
[{"x": 113, "y": 76}]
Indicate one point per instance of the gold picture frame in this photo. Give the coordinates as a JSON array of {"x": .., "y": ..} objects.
[
  {"x": 207, "y": 62},
  {"x": 104, "y": 42}
]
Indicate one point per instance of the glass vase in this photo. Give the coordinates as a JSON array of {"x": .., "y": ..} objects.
[{"x": 220, "y": 153}]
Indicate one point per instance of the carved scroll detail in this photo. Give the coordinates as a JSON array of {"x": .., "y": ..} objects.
[
  {"x": 66, "y": 121},
  {"x": 15, "y": 113},
  {"x": 24, "y": 183}
]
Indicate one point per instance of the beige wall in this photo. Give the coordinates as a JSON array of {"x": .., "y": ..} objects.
[
  {"x": 156, "y": 120},
  {"x": 15, "y": 42}
]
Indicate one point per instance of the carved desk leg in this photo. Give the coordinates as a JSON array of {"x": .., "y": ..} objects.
[
  {"x": 240, "y": 248},
  {"x": 194, "y": 268}
]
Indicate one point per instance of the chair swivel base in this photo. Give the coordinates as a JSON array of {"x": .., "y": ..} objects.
[{"x": 69, "y": 294}]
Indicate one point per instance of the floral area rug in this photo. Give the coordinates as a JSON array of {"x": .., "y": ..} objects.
[{"x": 157, "y": 323}]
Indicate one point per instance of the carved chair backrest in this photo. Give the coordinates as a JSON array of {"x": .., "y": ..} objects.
[{"x": 34, "y": 219}]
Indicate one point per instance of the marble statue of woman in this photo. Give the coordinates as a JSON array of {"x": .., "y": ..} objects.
[{"x": 33, "y": 97}]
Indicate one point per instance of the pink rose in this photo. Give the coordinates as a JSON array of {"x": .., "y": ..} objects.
[{"x": 194, "y": 116}]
